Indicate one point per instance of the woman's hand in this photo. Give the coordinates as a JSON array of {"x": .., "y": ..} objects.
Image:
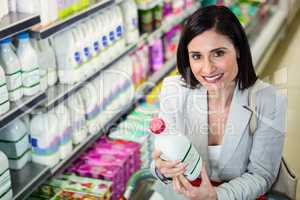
[
  {"x": 168, "y": 169},
  {"x": 205, "y": 192}
]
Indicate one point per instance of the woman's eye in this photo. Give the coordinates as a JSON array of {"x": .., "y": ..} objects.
[
  {"x": 219, "y": 53},
  {"x": 196, "y": 56}
]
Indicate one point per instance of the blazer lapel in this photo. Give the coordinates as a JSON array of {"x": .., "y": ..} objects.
[{"x": 237, "y": 122}]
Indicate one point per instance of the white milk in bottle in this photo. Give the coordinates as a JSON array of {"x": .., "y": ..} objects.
[
  {"x": 4, "y": 103},
  {"x": 50, "y": 61},
  {"x": 89, "y": 96},
  {"x": 175, "y": 146},
  {"x": 130, "y": 21},
  {"x": 77, "y": 113},
  {"x": 42, "y": 58},
  {"x": 64, "y": 130},
  {"x": 29, "y": 64},
  {"x": 68, "y": 56},
  {"x": 44, "y": 139},
  {"x": 12, "y": 67}
]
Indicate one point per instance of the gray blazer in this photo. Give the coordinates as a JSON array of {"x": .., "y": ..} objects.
[{"x": 248, "y": 163}]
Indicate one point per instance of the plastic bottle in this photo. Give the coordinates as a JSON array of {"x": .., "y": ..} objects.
[
  {"x": 4, "y": 103},
  {"x": 77, "y": 113},
  {"x": 90, "y": 101},
  {"x": 44, "y": 139},
  {"x": 42, "y": 58},
  {"x": 12, "y": 67},
  {"x": 4, "y": 7},
  {"x": 130, "y": 21},
  {"x": 119, "y": 30},
  {"x": 156, "y": 54},
  {"x": 29, "y": 64},
  {"x": 12, "y": 5},
  {"x": 103, "y": 34},
  {"x": 49, "y": 62},
  {"x": 175, "y": 146},
  {"x": 69, "y": 58},
  {"x": 64, "y": 130}
]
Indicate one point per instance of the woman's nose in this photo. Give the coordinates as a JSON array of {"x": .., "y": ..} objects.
[{"x": 207, "y": 67}]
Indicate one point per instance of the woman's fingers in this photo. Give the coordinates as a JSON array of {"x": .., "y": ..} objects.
[
  {"x": 185, "y": 183},
  {"x": 204, "y": 177},
  {"x": 175, "y": 171},
  {"x": 166, "y": 164},
  {"x": 155, "y": 154}
]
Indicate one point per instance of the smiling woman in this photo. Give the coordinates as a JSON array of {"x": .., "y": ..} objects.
[{"x": 209, "y": 104}]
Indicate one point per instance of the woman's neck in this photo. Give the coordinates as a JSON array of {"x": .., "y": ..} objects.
[{"x": 221, "y": 98}]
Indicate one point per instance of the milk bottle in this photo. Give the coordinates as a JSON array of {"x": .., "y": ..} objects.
[
  {"x": 44, "y": 139},
  {"x": 90, "y": 101},
  {"x": 64, "y": 130},
  {"x": 12, "y": 67},
  {"x": 130, "y": 21},
  {"x": 103, "y": 33},
  {"x": 50, "y": 61},
  {"x": 77, "y": 113},
  {"x": 175, "y": 146},
  {"x": 4, "y": 103},
  {"x": 68, "y": 57},
  {"x": 42, "y": 58},
  {"x": 119, "y": 29},
  {"x": 29, "y": 64}
]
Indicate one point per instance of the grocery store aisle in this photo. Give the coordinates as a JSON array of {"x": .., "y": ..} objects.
[{"x": 283, "y": 70}]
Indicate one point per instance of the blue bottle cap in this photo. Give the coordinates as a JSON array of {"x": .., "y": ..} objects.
[
  {"x": 23, "y": 35},
  {"x": 5, "y": 41}
]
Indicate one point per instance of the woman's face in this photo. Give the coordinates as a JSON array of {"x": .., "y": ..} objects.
[{"x": 213, "y": 60}]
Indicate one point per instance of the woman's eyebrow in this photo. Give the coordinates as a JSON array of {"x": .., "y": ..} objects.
[
  {"x": 213, "y": 50},
  {"x": 218, "y": 49}
]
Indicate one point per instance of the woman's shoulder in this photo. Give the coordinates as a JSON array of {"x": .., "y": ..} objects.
[{"x": 268, "y": 96}]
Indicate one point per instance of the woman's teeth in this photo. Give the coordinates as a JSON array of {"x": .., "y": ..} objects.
[{"x": 212, "y": 79}]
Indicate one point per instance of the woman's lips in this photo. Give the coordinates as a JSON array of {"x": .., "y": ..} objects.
[{"x": 213, "y": 78}]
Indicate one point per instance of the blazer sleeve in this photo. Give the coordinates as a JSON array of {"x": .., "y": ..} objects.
[
  {"x": 170, "y": 107},
  {"x": 266, "y": 152}
]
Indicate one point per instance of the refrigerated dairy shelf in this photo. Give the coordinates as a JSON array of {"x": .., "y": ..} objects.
[
  {"x": 58, "y": 93},
  {"x": 43, "y": 33},
  {"x": 25, "y": 181},
  {"x": 21, "y": 107},
  {"x": 16, "y": 22}
]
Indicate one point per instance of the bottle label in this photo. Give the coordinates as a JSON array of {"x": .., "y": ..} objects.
[
  {"x": 44, "y": 151},
  {"x": 104, "y": 41},
  {"x": 66, "y": 136},
  {"x": 87, "y": 54},
  {"x": 134, "y": 22},
  {"x": 119, "y": 31},
  {"x": 77, "y": 58},
  {"x": 193, "y": 159},
  {"x": 14, "y": 81},
  {"x": 31, "y": 78},
  {"x": 96, "y": 47},
  {"x": 112, "y": 36}
]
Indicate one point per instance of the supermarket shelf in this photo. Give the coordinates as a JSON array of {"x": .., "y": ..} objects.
[
  {"x": 147, "y": 86},
  {"x": 26, "y": 180},
  {"x": 84, "y": 145},
  {"x": 265, "y": 38},
  {"x": 168, "y": 23},
  {"x": 15, "y": 22},
  {"x": 62, "y": 24},
  {"x": 21, "y": 107},
  {"x": 58, "y": 93},
  {"x": 148, "y": 5}
]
